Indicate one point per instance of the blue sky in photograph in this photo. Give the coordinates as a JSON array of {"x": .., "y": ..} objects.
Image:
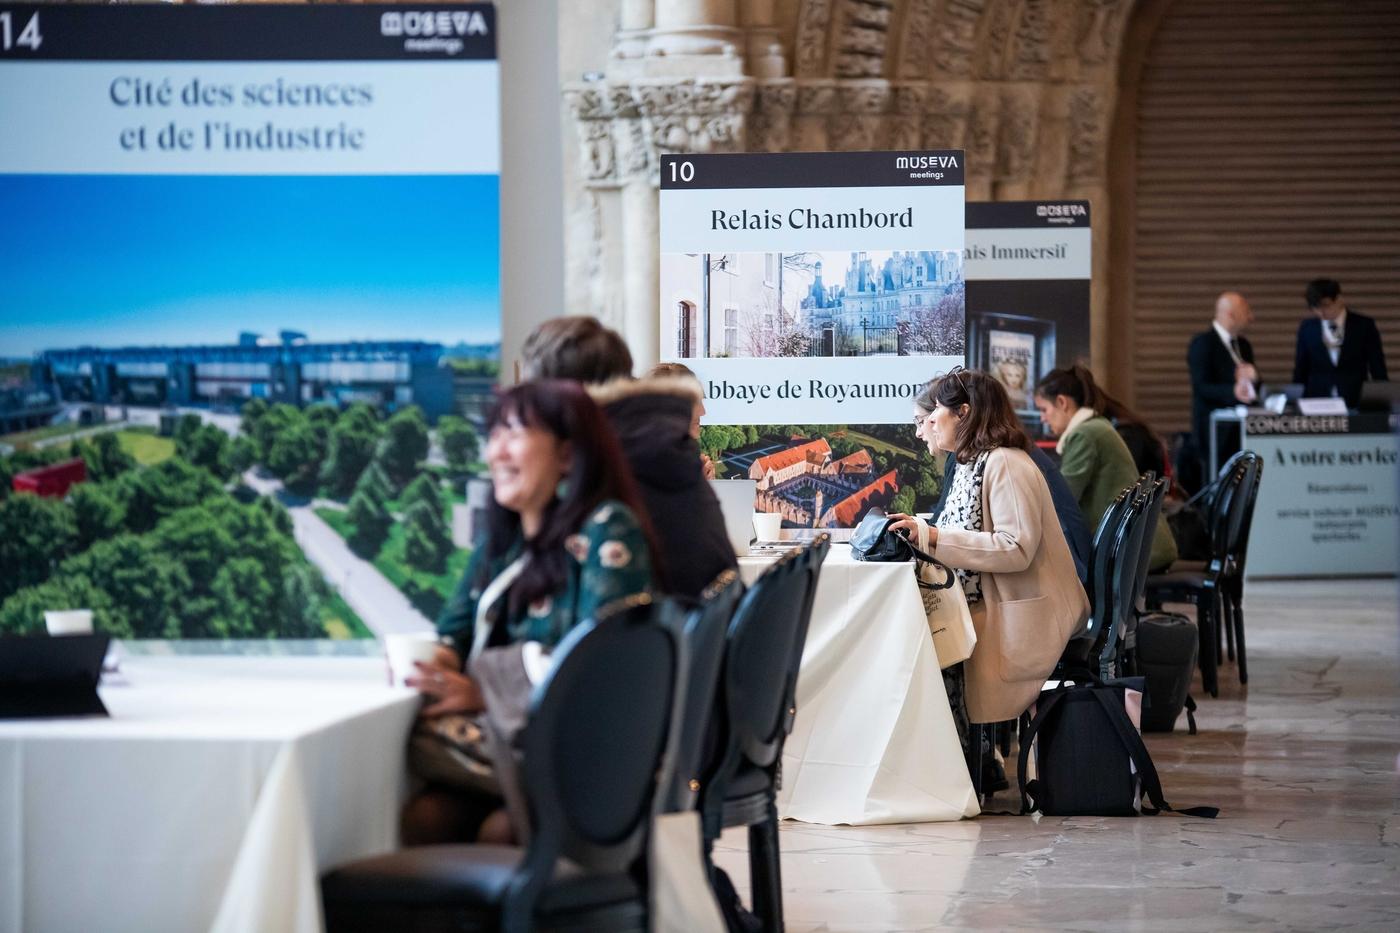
[{"x": 128, "y": 260}]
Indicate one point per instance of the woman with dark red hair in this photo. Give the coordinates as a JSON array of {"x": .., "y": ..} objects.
[{"x": 566, "y": 535}]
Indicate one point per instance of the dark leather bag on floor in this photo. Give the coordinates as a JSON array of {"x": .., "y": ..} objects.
[
  {"x": 1090, "y": 760},
  {"x": 1167, "y": 645}
]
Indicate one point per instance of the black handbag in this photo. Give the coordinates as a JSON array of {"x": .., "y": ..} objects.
[{"x": 874, "y": 541}]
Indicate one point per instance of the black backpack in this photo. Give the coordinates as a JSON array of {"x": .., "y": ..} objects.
[
  {"x": 1090, "y": 760},
  {"x": 1165, "y": 656}
]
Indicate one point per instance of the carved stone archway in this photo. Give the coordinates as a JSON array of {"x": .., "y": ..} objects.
[{"x": 1027, "y": 87}]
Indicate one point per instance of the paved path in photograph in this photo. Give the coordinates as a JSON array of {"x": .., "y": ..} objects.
[{"x": 382, "y": 606}]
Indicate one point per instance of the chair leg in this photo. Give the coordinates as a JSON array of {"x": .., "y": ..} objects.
[
  {"x": 1004, "y": 731},
  {"x": 1209, "y": 640},
  {"x": 1237, "y": 599},
  {"x": 765, "y": 871},
  {"x": 974, "y": 757},
  {"x": 1227, "y": 618}
]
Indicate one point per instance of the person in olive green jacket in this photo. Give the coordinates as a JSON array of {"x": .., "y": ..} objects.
[{"x": 1094, "y": 461}]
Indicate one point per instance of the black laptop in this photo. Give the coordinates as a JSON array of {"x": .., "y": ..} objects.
[{"x": 44, "y": 676}]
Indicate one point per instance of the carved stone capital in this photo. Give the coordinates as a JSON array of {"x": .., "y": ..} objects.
[
  {"x": 1088, "y": 135},
  {"x": 695, "y": 115},
  {"x": 770, "y": 125}
]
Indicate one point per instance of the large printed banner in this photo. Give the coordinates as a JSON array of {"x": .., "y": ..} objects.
[
  {"x": 815, "y": 294},
  {"x": 1028, "y": 270},
  {"x": 249, "y": 258}
]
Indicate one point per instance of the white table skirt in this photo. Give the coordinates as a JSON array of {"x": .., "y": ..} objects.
[
  {"x": 874, "y": 740},
  {"x": 213, "y": 798}
]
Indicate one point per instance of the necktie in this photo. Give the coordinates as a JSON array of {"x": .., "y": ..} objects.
[{"x": 1235, "y": 350}]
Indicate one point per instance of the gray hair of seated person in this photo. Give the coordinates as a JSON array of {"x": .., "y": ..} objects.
[{"x": 576, "y": 347}]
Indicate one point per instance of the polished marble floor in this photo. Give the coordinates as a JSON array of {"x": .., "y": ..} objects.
[{"x": 1302, "y": 762}]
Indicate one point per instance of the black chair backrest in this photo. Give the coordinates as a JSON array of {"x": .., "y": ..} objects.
[
  {"x": 1101, "y": 565},
  {"x": 596, "y": 740},
  {"x": 706, "y": 628},
  {"x": 1156, "y": 493},
  {"x": 811, "y": 568},
  {"x": 1242, "y": 511},
  {"x": 1124, "y": 577},
  {"x": 1241, "y": 552},
  {"x": 758, "y": 656},
  {"x": 1227, "y": 501}
]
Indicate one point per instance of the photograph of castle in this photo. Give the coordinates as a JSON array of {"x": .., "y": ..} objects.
[
  {"x": 813, "y": 304},
  {"x": 826, "y": 476}
]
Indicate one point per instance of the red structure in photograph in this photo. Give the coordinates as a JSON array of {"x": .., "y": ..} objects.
[{"x": 52, "y": 481}]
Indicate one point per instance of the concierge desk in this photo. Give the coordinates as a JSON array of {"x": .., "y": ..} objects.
[{"x": 1330, "y": 501}]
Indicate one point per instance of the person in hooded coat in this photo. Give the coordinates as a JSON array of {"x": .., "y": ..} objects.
[{"x": 653, "y": 418}]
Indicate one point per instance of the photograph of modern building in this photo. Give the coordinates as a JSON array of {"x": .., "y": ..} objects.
[
  {"x": 290, "y": 368},
  {"x": 822, "y": 304}
]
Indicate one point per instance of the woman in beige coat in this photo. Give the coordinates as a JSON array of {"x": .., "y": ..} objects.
[{"x": 999, "y": 532}]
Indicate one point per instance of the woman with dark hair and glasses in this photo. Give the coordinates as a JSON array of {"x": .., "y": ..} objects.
[
  {"x": 565, "y": 536},
  {"x": 1000, "y": 533}
]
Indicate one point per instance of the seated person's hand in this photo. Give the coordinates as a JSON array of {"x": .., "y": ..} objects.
[
  {"x": 707, "y": 466},
  {"x": 449, "y": 690},
  {"x": 908, "y": 526},
  {"x": 447, "y": 658}
]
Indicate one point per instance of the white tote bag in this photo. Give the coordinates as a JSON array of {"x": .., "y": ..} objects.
[
  {"x": 682, "y": 900},
  {"x": 945, "y": 604}
]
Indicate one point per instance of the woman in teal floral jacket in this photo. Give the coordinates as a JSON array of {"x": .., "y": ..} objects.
[{"x": 566, "y": 535}]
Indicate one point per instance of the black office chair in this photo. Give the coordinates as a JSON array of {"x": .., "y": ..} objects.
[
  {"x": 706, "y": 630},
  {"x": 1201, "y": 587},
  {"x": 591, "y": 755},
  {"x": 756, "y": 710}
]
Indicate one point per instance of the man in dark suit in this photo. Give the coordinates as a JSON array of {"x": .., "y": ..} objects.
[
  {"x": 1338, "y": 349},
  {"x": 1221, "y": 362}
]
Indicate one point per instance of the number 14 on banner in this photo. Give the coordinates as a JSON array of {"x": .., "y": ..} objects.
[{"x": 28, "y": 37}]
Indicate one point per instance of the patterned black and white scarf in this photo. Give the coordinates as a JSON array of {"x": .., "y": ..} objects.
[{"x": 964, "y": 510}]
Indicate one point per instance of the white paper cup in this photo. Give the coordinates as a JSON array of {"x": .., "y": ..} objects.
[
  {"x": 69, "y": 621},
  {"x": 768, "y": 526},
  {"x": 403, "y": 649}
]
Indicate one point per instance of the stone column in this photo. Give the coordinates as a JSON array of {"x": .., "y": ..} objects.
[
  {"x": 764, "y": 51},
  {"x": 637, "y": 19},
  {"x": 696, "y": 29}
]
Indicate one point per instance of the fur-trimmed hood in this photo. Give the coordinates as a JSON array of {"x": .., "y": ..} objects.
[
  {"x": 616, "y": 390},
  {"x": 652, "y": 421}
]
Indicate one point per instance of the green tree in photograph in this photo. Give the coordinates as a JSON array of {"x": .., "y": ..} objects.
[
  {"x": 276, "y": 515},
  {"x": 246, "y": 600},
  {"x": 198, "y": 540},
  {"x": 141, "y": 586},
  {"x": 426, "y": 539},
  {"x": 370, "y": 521},
  {"x": 903, "y": 501},
  {"x": 294, "y": 454},
  {"x": 35, "y": 534},
  {"x": 274, "y": 422},
  {"x": 349, "y": 449},
  {"x": 374, "y": 483},
  {"x": 404, "y": 446},
  {"x": 186, "y": 426},
  {"x": 99, "y": 511},
  {"x": 424, "y": 489},
  {"x": 459, "y": 441},
  {"x": 304, "y": 595},
  {"x": 155, "y": 492},
  {"x": 242, "y": 454},
  {"x": 252, "y": 412},
  {"x": 208, "y": 449},
  {"x": 23, "y": 613},
  {"x": 103, "y": 456}
]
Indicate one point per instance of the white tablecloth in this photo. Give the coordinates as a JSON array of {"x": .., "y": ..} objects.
[
  {"x": 211, "y": 800},
  {"x": 874, "y": 740}
]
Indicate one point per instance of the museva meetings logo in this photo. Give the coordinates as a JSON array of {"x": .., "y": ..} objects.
[
  {"x": 433, "y": 23},
  {"x": 433, "y": 30}
]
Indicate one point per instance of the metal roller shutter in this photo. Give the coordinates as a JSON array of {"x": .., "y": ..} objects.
[{"x": 1267, "y": 153}]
